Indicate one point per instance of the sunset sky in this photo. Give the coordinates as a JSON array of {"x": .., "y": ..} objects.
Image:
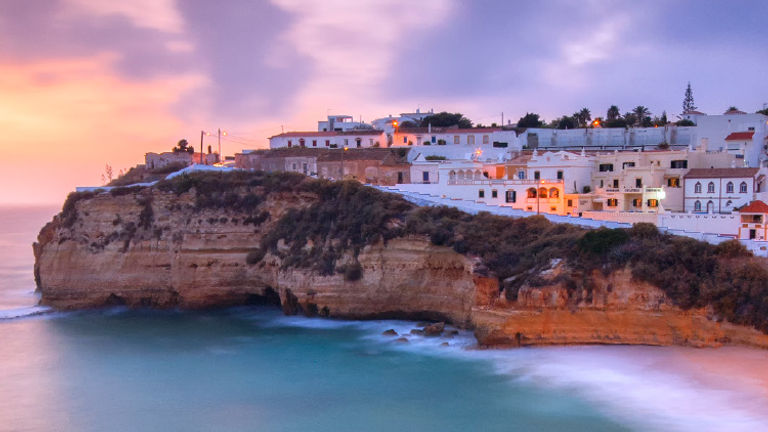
[{"x": 84, "y": 83}]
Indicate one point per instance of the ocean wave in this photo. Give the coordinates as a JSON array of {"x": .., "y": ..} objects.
[
  {"x": 24, "y": 312},
  {"x": 644, "y": 388}
]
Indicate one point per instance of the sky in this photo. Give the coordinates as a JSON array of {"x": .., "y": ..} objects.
[{"x": 86, "y": 83}]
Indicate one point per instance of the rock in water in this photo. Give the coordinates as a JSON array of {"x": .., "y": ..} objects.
[
  {"x": 435, "y": 329},
  {"x": 390, "y": 332},
  {"x": 402, "y": 340}
]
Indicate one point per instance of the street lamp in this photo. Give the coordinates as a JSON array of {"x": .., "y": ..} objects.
[
  {"x": 202, "y": 134},
  {"x": 342, "y": 161},
  {"x": 221, "y": 132}
]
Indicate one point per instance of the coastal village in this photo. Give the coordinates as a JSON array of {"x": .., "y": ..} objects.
[{"x": 703, "y": 176}]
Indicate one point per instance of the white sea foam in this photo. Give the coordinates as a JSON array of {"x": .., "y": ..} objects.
[
  {"x": 645, "y": 388},
  {"x": 24, "y": 312}
]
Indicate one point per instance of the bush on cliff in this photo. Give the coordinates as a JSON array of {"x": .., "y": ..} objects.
[{"x": 344, "y": 217}]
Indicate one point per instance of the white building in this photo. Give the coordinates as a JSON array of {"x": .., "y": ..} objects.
[
  {"x": 721, "y": 190},
  {"x": 341, "y": 123},
  {"x": 473, "y": 138},
  {"x": 574, "y": 169},
  {"x": 389, "y": 124},
  {"x": 744, "y": 135},
  {"x": 351, "y": 139}
]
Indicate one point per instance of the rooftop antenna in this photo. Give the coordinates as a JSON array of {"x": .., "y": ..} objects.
[{"x": 282, "y": 129}]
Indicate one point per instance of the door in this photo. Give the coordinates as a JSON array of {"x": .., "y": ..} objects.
[
  {"x": 752, "y": 234},
  {"x": 400, "y": 177},
  {"x": 425, "y": 176}
]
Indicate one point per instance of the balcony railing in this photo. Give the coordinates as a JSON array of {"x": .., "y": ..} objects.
[{"x": 510, "y": 182}]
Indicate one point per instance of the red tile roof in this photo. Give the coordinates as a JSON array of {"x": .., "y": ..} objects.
[
  {"x": 740, "y": 136},
  {"x": 756, "y": 206},
  {"x": 721, "y": 172}
]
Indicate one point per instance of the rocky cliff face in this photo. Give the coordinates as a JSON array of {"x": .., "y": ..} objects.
[{"x": 154, "y": 248}]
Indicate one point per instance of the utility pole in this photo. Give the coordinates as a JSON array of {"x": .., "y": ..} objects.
[
  {"x": 502, "y": 119},
  {"x": 202, "y": 133}
]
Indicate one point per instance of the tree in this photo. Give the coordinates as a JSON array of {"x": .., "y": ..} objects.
[
  {"x": 564, "y": 122},
  {"x": 108, "y": 174},
  {"x": 529, "y": 120},
  {"x": 641, "y": 113},
  {"x": 183, "y": 146},
  {"x": 583, "y": 117},
  {"x": 688, "y": 105},
  {"x": 445, "y": 119},
  {"x": 407, "y": 124},
  {"x": 630, "y": 118},
  {"x": 612, "y": 113},
  {"x": 732, "y": 108},
  {"x": 660, "y": 121},
  {"x": 763, "y": 111}
]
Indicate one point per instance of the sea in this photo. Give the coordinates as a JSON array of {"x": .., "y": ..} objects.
[{"x": 254, "y": 369}]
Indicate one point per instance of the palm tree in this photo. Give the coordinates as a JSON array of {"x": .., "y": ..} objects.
[
  {"x": 585, "y": 116},
  {"x": 641, "y": 113},
  {"x": 613, "y": 113}
]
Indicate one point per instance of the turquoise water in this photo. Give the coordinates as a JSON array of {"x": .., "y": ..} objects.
[{"x": 253, "y": 369}]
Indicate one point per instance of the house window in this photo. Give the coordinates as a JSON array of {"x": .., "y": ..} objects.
[
  {"x": 327, "y": 143},
  {"x": 456, "y": 139},
  {"x": 697, "y": 188},
  {"x": 532, "y": 193},
  {"x": 494, "y": 193},
  {"x": 615, "y": 183},
  {"x": 511, "y": 196},
  {"x": 653, "y": 203},
  {"x": 425, "y": 176},
  {"x": 638, "y": 182},
  {"x": 346, "y": 142},
  {"x": 711, "y": 187},
  {"x": 405, "y": 140},
  {"x": 677, "y": 164},
  {"x": 521, "y": 175},
  {"x": 570, "y": 203},
  {"x": 601, "y": 183},
  {"x": 697, "y": 206},
  {"x": 314, "y": 143},
  {"x": 626, "y": 165},
  {"x": 673, "y": 182},
  {"x": 542, "y": 192},
  {"x": 294, "y": 167},
  {"x": 289, "y": 143},
  {"x": 358, "y": 141},
  {"x": 486, "y": 139},
  {"x": 612, "y": 202},
  {"x": 743, "y": 187},
  {"x": 481, "y": 193},
  {"x": 559, "y": 175},
  {"x": 637, "y": 202},
  {"x": 433, "y": 139},
  {"x": 536, "y": 175},
  {"x": 729, "y": 187},
  {"x": 301, "y": 142},
  {"x": 554, "y": 193},
  {"x": 605, "y": 167},
  {"x": 471, "y": 139}
]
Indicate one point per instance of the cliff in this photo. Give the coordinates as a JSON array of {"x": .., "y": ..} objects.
[{"x": 284, "y": 240}]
